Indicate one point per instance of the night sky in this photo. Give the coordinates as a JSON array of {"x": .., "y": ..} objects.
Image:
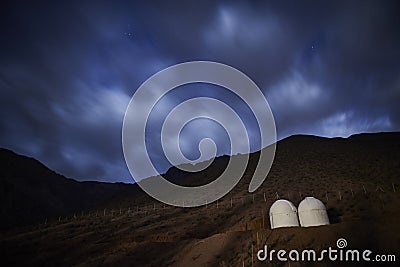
[{"x": 68, "y": 71}]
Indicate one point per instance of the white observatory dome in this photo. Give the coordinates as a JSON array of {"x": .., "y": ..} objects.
[
  {"x": 283, "y": 214},
  {"x": 312, "y": 212}
]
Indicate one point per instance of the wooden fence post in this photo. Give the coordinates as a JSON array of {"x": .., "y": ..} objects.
[
  {"x": 365, "y": 191},
  {"x": 263, "y": 220},
  {"x": 257, "y": 238}
]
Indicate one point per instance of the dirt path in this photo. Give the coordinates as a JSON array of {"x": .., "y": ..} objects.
[{"x": 204, "y": 252}]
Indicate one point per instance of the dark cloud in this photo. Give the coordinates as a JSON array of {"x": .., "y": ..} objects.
[{"x": 68, "y": 70}]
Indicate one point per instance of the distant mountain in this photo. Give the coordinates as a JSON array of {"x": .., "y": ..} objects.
[
  {"x": 300, "y": 157},
  {"x": 30, "y": 192}
]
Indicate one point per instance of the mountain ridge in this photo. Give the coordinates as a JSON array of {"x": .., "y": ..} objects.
[{"x": 31, "y": 192}]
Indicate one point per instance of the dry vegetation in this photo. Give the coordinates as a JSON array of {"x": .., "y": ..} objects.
[{"x": 357, "y": 179}]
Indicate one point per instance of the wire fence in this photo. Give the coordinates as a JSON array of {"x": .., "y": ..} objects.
[{"x": 263, "y": 198}]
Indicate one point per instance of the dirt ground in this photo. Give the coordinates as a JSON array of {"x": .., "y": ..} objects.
[{"x": 357, "y": 179}]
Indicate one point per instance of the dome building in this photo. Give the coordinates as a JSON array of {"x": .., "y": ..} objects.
[
  {"x": 312, "y": 212},
  {"x": 283, "y": 214}
]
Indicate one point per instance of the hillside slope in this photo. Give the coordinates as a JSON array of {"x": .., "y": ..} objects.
[
  {"x": 30, "y": 192},
  {"x": 357, "y": 178}
]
